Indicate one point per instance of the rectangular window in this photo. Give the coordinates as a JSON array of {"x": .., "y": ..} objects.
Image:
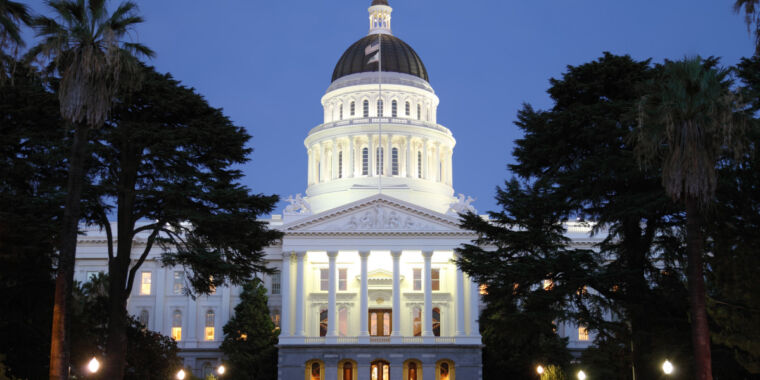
[
  {"x": 353, "y": 108},
  {"x": 365, "y": 161},
  {"x": 417, "y": 324},
  {"x": 582, "y": 333},
  {"x": 179, "y": 282},
  {"x": 177, "y": 333},
  {"x": 419, "y": 164},
  {"x": 365, "y": 111},
  {"x": 323, "y": 322},
  {"x": 417, "y": 279},
  {"x": 435, "y": 277},
  {"x": 407, "y": 108},
  {"x": 394, "y": 161},
  {"x": 324, "y": 279},
  {"x": 343, "y": 322},
  {"x": 394, "y": 107},
  {"x": 343, "y": 279},
  {"x": 341, "y": 112},
  {"x": 209, "y": 333},
  {"x": 340, "y": 164},
  {"x": 145, "y": 284},
  {"x": 379, "y": 161},
  {"x": 275, "y": 283},
  {"x": 419, "y": 112},
  {"x": 380, "y": 108},
  {"x": 276, "y": 318}
]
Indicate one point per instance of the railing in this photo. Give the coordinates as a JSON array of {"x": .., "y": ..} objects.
[
  {"x": 445, "y": 340},
  {"x": 412, "y": 339},
  {"x": 348, "y": 340},
  {"x": 379, "y": 339},
  {"x": 376, "y": 120},
  {"x": 314, "y": 340}
]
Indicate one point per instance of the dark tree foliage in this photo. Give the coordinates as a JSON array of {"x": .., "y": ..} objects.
[
  {"x": 32, "y": 176},
  {"x": 150, "y": 355},
  {"x": 166, "y": 157},
  {"x": 250, "y": 337}
]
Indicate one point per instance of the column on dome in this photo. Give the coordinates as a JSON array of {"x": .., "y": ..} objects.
[
  {"x": 299, "y": 294},
  {"x": 437, "y": 162},
  {"x": 425, "y": 170},
  {"x": 460, "y": 330},
  {"x": 351, "y": 159},
  {"x": 409, "y": 157},
  {"x": 450, "y": 167},
  {"x": 322, "y": 162},
  {"x": 388, "y": 155},
  {"x": 396, "y": 313},
  {"x": 363, "y": 300},
  {"x": 474, "y": 308},
  {"x": 285, "y": 292},
  {"x": 427, "y": 328},
  {"x": 309, "y": 171},
  {"x": 371, "y": 154},
  {"x": 334, "y": 171},
  {"x": 332, "y": 314}
]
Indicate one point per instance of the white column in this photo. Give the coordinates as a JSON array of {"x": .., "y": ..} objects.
[
  {"x": 427, "y": 328},
  {"x": 322, "y": 163},
  {"x": 396, "y": 330},
  {"x": 225, "y": 312},
  {"x": 460, "y": 303},
  {"x": 334, "y": 160},
  {"x": 474, "y": 308},
  {"x": 332, "y": 313},
  {"x": 371, "y": 152},
  {"x": 351, "y": 157},
  {"x": 425, "y": 159},
  {"x": 437, "y": 162},
  {"x": 388, "y": 155},
  {"x": 409, "y": 157},
  {"x": 299, "y": 294},
  {"x": 285, "y": 291},
  {"x": 310, "y": 158},
  {"x": 363, "y": 299},
  {"x": 158, "y": 317}
]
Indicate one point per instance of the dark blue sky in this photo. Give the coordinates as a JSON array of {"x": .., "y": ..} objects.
[{"x": 267, "y": 63}]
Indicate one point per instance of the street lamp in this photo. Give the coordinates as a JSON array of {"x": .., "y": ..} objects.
[
  {"x": 581, "y": 375},
  {"x": 540, "y": 370},
  {"x": 93, "y": 366},
  {"x": 181, "y": 374},
  {"x": 220, "y": 370},
  {"x": 667, "y": 367}
]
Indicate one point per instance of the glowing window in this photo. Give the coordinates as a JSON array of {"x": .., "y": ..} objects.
[
  {"x": 444, "y": 371},
  {"x": 582, "y": 333},
  {"x": 276, "y": 283},
  {"x": 365, "y": 105},
  {"x": 365, "y": 161},
  {"x": 379, "y": 107},
  {"x": 373, "y": 324},
  {"x": 412, "y": 372},
  {"x": 145, "y": 281},
  {"x": 348, "y": 371},
  {"x": 435, "y": 278},
  {"x": 177, "y": 325},
  {"x": 343, "y": 279},
  {"x": 417, "y": 321},
  {"x": 276, "y": 318},
  {"x": 209, "y": 331},
  {"x": 436, "y": 321},
  {"x": 379, "y": 161},
  {"x": 394, "y": 109},
  {"x": 179, "y": 282},
  {"x": 316, "y": 372},
  {"x": 483, "y": 289},
  {"x": 548, "y": 284},
  {"x": 343, "y": 322},
  {"x": 394, "y": 161},
  {"x": 323, "y": 322},
  {"x": 324, "y": 279},
  {"x": 416, "y": 279}
]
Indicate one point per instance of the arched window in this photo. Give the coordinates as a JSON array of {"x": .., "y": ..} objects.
[
  {"x": 316, "y": 371},
  {"x": 444, "y": 371},
  {"x": 407, "y": 109},
  {"x": 343, "y": 321},
  {"x": 419, "y": 164},
  {"x": 177, "y": 325},
  {"x": 379, "y": 161},
  {"x": 412, "y": 371},
  {"x": 144, "y": 315},
  {"x": 209, "y": 331},
  {"x": 353, "y": 108},
  {"x": 340, "y": 111},
  {"x": 417, "y": 321},
  {"x": 394, "y": 161},
  {"x": 380, "y": 370},
  {"x": 348, "y": 371},
  {"x": 365, "y": 161},
  {"x": 340, "y": 164},
  {"x": 323, "y": 322},
  {"x": 379, "y": 107},
  {"x": 437, "y": 321},
  {"x": 419, "y": 112},
  {"x": 366, "y": 108},
  {"x": 394, "y": 109}
]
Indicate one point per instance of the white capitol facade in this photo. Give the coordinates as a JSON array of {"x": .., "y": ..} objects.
[{"x": 366, "y": 288}]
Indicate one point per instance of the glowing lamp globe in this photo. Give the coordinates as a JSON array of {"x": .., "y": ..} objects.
[
  {"x": 540, "y": 370},
  {"x": 181, "y": 374},
  {"x": 667, "y": 367},
  {"x": 93, "y": 366},
  {"x": 581, "y": 375}
]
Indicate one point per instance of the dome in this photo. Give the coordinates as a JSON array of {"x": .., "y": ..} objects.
[{"x": 397, "y": 57}]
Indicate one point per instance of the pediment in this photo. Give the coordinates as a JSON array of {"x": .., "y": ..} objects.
[{"x": 378, "y": 214}]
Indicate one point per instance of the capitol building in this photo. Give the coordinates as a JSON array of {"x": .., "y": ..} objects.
[{"x": 366, "y": 287}]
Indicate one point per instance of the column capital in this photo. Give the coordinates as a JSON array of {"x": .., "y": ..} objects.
[
  {"x": 287, "y": 255},
  {"x": 364, "y": 254},
  {"x": 427, "y": 254},
  {"x": 332, "y": 254},
  {"x": 396, "y": 254},
  {"x": 300, "y": 254}
]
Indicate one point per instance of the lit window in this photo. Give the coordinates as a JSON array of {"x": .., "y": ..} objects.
[
  {"x": 437, "y": 321},
  {"x": 419, "y": 164},
  {"x": 548, "y": 284},
  {"x": 416, "y": 279},
  {"x": 483, "y": 289},
  {"x": 386, "y": 324},
  {"x": 343, "y": 279},
  {"x": 340, "y": 164},
  {"x": 394, "y": 161},
  {"x": 365, "y": 105},
  {"x": 209, "y": 332},
  {"x": 276, "y": 318},
  {"x": 211, "y": 287},
  {"x": 276, "y": 283},
  {"x": 373, "y": 324},
  {"x": 177, "y": 325},
  {"x": 365, "y": 161},
  {"x": 394, "y": 107},
  {"x": 353, "y": 108},
  {"x": 379, "y": 107},
  {"x": 435, "y": 277},
  {"x": 144, "y": 316},
  {"x": 582, "y": 333},
  {"x": 324, "y": 279},
  {"x": 412, "y": 374},
  {"x": 379, "y": 161},
  {"x": 343, "y": 322},
  {"x": 316, "y": 372},
  {"x": 145, "y": 284},
  {"x": 417, "y": 321},
  {"x": 444, "y": 372},
  {"x": 323, "y": 322},
  {"x": 179, "y": 282}
]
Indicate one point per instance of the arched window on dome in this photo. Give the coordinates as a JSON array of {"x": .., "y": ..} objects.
[
  {"x": 365, "y": 161},
  {"x": 380, "y": 108},
  {"x": 419, "y": 164},
  {"x": 394, "y": 109},
  {"x": 340, "y": 112},
  {"x": 340, "y": 164},
  {"x": 353, "y": 108},
  {"x": 407, "y": 109},
  {"x": 379, "y": 161},
  {"x": 365, "y": 105},
  {"x": 419, "y": 112},
  {"x": 394, "y": 161}
]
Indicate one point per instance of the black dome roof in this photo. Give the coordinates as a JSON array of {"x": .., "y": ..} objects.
[{"x": 397, "y": 57}]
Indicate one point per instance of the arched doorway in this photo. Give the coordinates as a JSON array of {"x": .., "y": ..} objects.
[
  {"x": 347, "y": 370},
  {"x": 444, "y": 370},
  {"x": 380, "y": 370}
]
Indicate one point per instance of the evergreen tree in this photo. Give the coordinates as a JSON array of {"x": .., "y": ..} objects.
[{"x": 250, "y": 337}]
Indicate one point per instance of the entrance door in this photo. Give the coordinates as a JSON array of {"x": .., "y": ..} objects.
[
  {"x": 380, "y": 370},
  {"x": 380, "y": 322}
]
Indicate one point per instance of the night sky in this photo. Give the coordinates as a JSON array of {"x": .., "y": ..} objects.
[{"x": 268, "y": 63}]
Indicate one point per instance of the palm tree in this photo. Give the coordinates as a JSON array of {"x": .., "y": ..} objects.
[
  {"x": 751, "y": 10},
  {"x": 12, "y": 14},
  {"x": 686, "y": 122},
  {"x": 88, "y": 49}
]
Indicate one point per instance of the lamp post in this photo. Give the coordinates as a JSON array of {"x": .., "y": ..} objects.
[
  {"x": 667, "y": 367},
  {"x": 581, "y": 375},
  {"x": 93, "y": 365},
  {"x": 539, "y": 370},
  {"x": 181, "y": 374},
  {"x": 220, "y": 370}
]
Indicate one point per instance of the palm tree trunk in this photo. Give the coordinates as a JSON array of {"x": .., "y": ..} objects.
[
  {"x": 59, "y": 343},
  {"x": 700, "y": 330}
]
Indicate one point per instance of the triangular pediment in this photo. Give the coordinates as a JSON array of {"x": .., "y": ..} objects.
[{"x": 378, "y": 214}]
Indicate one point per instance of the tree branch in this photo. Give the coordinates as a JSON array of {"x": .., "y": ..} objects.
[{"x": 141, "y": 260}]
